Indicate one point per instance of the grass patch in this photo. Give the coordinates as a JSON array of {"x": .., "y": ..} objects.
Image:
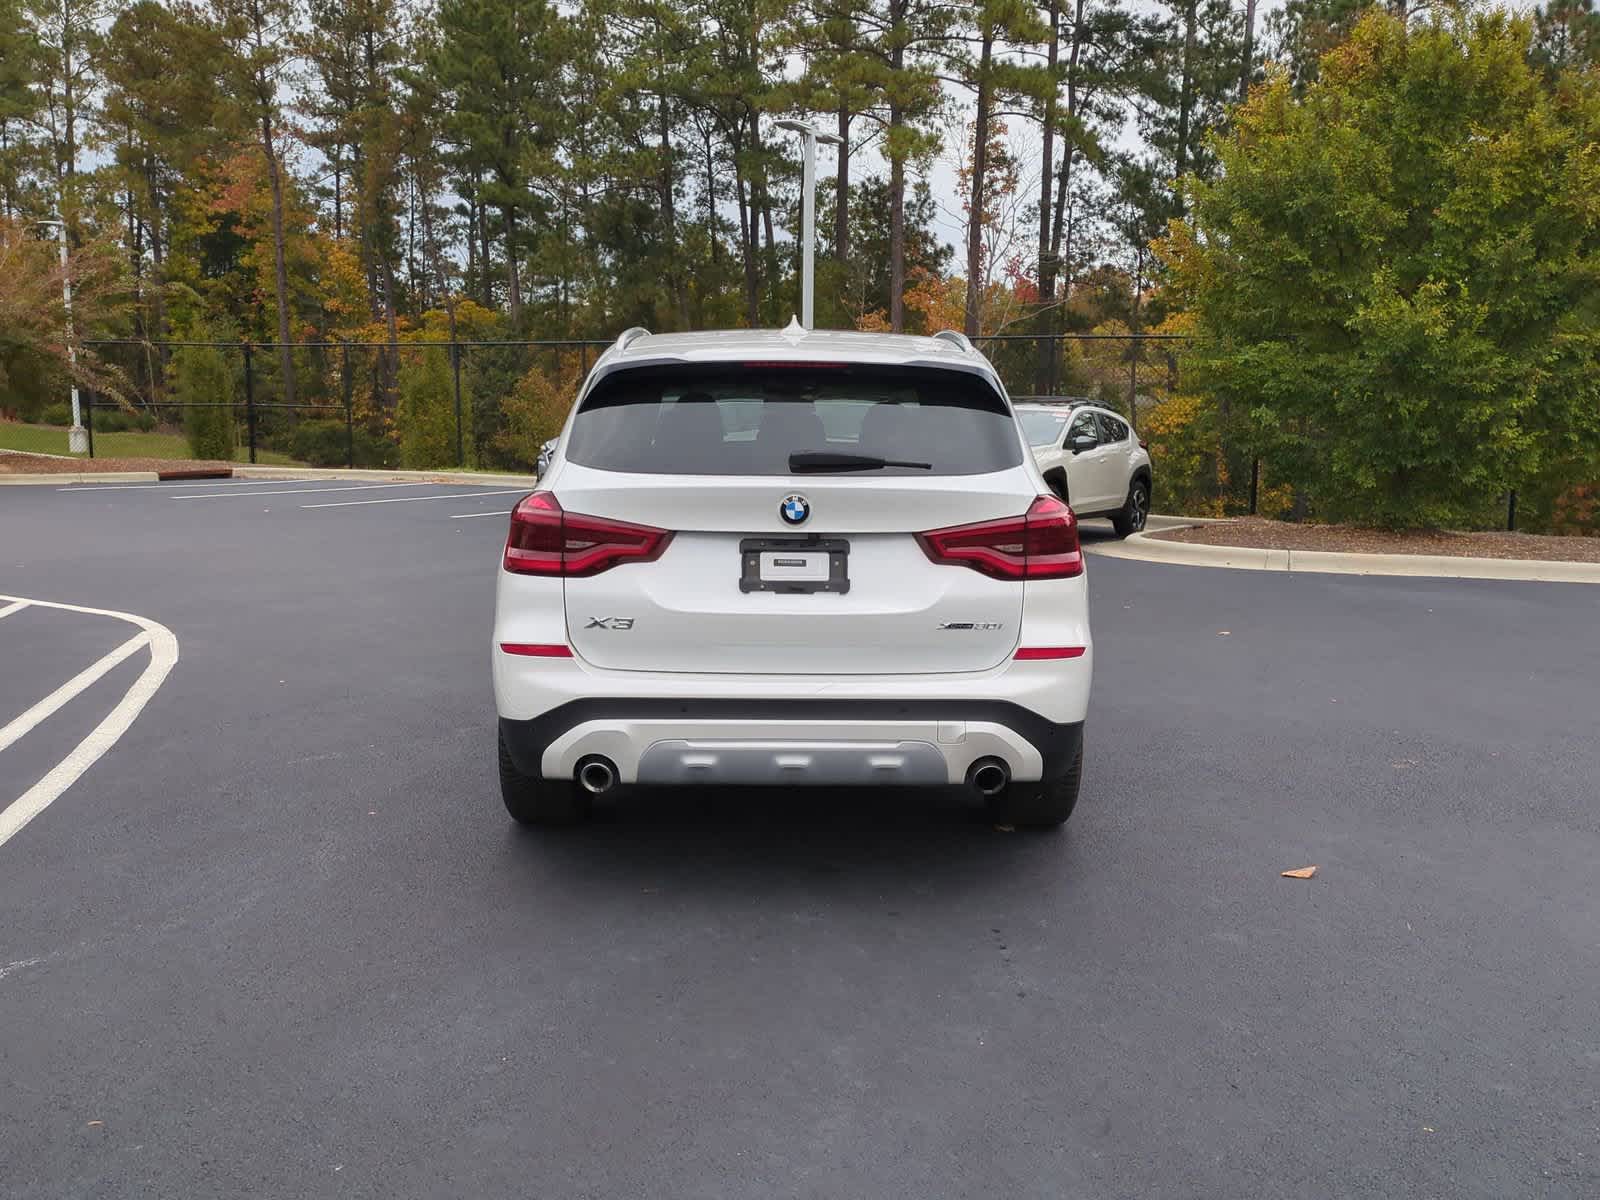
[{"x": 52, "y": 439}]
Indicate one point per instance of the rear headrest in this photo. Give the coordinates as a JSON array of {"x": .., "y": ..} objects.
[
  {"x": 884, "y": 426},
  {"x": 687, "y": 428},
  {"x": 789, "y": 427}
]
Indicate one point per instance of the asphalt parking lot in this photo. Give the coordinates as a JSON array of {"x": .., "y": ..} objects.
[{"x": 281, "y": 940}]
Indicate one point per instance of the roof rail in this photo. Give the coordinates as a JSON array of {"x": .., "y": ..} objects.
[
  {"x": 629, "y": 336},
  {"x": 958, "y": 340}
]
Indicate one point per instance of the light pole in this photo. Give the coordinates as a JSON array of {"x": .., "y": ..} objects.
[
  {"x": 77, "y": 436},
  {"x": 808, "y": 214}
]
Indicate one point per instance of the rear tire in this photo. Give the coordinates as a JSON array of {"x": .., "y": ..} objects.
[
  {"x": 534, "y": 801},
  {"x": 1135, "y": 510},
  {"x": 1041, "y": 805}
]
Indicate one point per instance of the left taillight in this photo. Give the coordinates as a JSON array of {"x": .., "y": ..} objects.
[
  {"x": 545, "y": 539},
  {"x": 1040, "y": 544}
]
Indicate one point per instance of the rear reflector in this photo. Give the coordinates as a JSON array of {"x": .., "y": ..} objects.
[
  {"x": 1040, "y": 544},
  {"x": 537, "y": 649},
  {"x": 547, "y": 540},
  {"x": 1025, "y": 653}
]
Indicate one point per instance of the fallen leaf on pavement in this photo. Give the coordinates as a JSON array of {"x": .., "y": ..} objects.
[
  {"x": 1224, "y": 633},
  {"x": 1299, "y": 873},
  {"x": 1005, "y": 828}
]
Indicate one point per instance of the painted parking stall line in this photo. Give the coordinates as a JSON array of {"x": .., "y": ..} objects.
[
  {"x": 15, "y": 606},
  {"x": 414, "y": 499},
  {"x": 78, "y": 683},
  {"x": 163, "y": 650},
  {"x": 506, "y": 512}
]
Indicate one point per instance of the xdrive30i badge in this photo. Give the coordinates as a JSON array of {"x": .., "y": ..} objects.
[{"x": 971, "y": 624}]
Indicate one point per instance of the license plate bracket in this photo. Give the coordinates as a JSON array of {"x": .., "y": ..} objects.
[{"x": 791, "y": 565}]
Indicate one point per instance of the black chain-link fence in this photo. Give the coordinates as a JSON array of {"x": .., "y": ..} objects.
[
  {"x": 461, "y": 403},
  {"x": 356, "y": 404}
]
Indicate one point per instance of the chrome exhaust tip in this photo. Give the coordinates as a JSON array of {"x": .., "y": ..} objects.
[
  {"x": 988, "y": 777},
  {"x": 596, "y": 775}
]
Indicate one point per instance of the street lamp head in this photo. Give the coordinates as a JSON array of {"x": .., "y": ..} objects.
[{"x": 805, "y": 130}]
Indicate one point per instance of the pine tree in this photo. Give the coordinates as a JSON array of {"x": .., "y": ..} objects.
[
  {"x": 1567, "y": 35},
  {"x": 906, "y": 79},
  {"x": 160, "y": 94},
  {"x": 256, "y": 35},
  {"x": 497, "y": 66},
  {"x": 982, "y": 58},
  {"x": 19, "y": 63}
]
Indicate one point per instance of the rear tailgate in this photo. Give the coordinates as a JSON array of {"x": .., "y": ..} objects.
[{"x": 687, "y": 610}]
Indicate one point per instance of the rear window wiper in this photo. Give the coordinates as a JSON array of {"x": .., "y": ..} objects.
[{"x": 828, "y": 460}]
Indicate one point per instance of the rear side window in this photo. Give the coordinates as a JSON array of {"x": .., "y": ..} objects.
[
  {"x": 1111, "y": 429},
  {"x": 747, "y": 419}
]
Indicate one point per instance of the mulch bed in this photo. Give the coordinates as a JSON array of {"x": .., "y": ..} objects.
[
  {"x": 17, "y": 462},
  {"x": 1281, "y": 535}
]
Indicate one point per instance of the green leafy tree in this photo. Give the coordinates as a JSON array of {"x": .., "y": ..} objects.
[
  {"x": 203, "y": 384},
  {"x": 426, "y": 416},
  {"x": 1393, "y": 278}
]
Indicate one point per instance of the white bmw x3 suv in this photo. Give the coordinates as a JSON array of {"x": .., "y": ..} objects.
[{"x": 763, "y": 557}]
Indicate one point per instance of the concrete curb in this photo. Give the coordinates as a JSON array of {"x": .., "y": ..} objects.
[
  {"x": 80, "y": 477},
  {"x": 487, "y": 478},
  {"x": 1434, "y": 566}
]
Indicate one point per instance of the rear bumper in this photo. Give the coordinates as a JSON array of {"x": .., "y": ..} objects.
[{"x": 803, "y": 741}]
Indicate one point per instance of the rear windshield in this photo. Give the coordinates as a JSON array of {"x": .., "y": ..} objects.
[
  {"x": 747, "y": 419},
  {"x": 1041, "y": 428}
]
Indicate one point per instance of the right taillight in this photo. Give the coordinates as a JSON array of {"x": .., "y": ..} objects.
[
  {"x": 545, "y": 539},
  {"x": 1040, "y": 544}
]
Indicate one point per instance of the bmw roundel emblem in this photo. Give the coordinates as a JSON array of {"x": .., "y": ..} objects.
[{"x": 794, "y": 509}]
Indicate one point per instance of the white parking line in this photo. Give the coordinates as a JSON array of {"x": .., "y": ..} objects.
[
  {"x": 414, "y": 499},
  {"x": 56, "y": 699},
  {"x": 365, "y": 487},
  {"x": 163, "y": 656},
  {"x": 458, "y": 517},
  {"x": 11, "y": 608}
]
